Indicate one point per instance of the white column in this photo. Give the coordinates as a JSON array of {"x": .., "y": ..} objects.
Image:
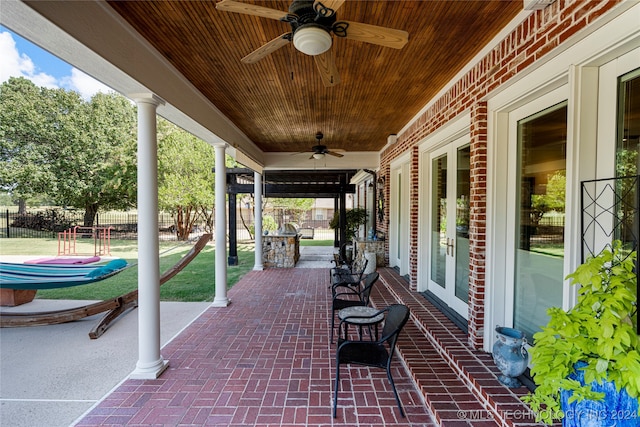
[
  {"x": 257, "y": 193},
  {"x": 150, "y": 362},
  {"x": 220, "y": 299}
]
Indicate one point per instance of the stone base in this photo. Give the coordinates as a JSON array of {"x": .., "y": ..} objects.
[
  {"x": 280, "y": 251},
  {"x": 13, "y": 297},
  {"x": 376, "y": 246}
]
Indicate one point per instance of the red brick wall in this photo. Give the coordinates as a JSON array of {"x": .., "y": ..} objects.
[
  {"x": 535, "y": 37},
  {"x": 477, "y": 221}
]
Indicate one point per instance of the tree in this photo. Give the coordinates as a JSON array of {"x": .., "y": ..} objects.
[
  {"x": 26, "y": 127},
  {"x": 96, "y": 167},
  {"x": 83, "y": 154},
  {"x": 295, "y": 208},
  {"x": 185, "y": 175},
  {"x": 80, "y": 154},
  {"x": 553, "y": 199}
]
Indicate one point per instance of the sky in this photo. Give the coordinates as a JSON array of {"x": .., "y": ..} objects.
[{"x": 21, "y": 58}]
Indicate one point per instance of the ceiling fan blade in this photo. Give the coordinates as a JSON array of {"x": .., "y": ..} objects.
[
  {"x": 331, "y": 4},
  {"x": 382, "y": 36},
  {"x": 326, "y": 65},
  {"x": 333, "y": 153},
  {"x": 266, "y": 49},
  {"x": 250, "y": 9}
]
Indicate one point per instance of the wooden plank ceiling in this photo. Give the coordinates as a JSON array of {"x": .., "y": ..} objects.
[{"x": 280, "y": 102}]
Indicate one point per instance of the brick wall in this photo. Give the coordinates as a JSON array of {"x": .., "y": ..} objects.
[
  {"x": 477, "y": 221},
  {"x": 538, "y": 35}
]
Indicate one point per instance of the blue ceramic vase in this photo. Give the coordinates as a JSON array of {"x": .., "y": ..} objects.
[
  {"x": 510, "y": 355},
  {"x": 616, "y": 409}
]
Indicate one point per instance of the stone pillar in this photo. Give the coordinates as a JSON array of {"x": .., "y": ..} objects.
[
  {"x": 220, "y": 299},
  {"x": 150, "y": 362},
  {"x": 257, "y": 192}
]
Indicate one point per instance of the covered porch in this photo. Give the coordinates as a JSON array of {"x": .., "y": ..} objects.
[{"x": 266, "y": 359}]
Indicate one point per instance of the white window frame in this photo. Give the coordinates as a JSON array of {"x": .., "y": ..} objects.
[
  {"x": 455, "y": 129},
  {"x": 399, "y": 193},
  {"x": 577, "y": 68}
]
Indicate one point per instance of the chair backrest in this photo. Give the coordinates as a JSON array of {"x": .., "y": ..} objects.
[
  {"x": 343, "y": 255},
  {"x": 368, "y": 283},
  {"x": 337, "y": 259},
  {"x": 359, "y": 269},
  {"x": 395, "y": 319}
]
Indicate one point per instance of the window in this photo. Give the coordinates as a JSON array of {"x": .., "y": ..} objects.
[
  {"x": 627, "y": 158},
  {"x": 540, "y": 213},
  {"x": 628, "y": 130}
]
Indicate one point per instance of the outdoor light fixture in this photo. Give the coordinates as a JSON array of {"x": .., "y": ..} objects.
[
  {"x": 318, "y": 156},
  {"x": 312, "y": 40}
]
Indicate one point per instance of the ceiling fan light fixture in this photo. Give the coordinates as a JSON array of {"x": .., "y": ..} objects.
[
  {"x": 318, "y": 156},
  {"x": 312, "y": 40}
]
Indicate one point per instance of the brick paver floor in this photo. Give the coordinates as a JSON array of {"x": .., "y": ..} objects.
[{"x": 265, "y": 360}]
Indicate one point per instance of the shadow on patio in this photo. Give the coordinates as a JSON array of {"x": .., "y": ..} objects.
[{"x": 266, "y": 360}]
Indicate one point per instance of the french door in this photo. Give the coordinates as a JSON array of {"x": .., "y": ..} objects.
[{"x": 449, "y": 224}]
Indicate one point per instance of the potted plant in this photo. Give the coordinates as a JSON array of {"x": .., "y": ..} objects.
[
  {"x": 582, "y": 356},
  {"x": 355, "y": 218}
]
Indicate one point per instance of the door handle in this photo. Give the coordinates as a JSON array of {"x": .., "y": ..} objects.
[{"x": 450, "y": 246}]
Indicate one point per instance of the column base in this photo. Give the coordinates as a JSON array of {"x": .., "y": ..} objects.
[
  {"x": 258, "y": 267},
  {"x": 222, "y": 302},
  {"x": 151, "y": 372}
]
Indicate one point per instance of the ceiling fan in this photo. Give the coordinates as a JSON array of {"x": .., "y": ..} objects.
[
  {"x": 312, "y": 23},
  {"x": 319, "y": 150}
]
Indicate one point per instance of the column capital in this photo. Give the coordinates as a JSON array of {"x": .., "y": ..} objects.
[
  {"x": 220, "y": 145},
  {"x": 147, "y": 98}
]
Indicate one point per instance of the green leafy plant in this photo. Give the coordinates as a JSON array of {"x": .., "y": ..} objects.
[
  {"x": 597, "y": 331},
  {"x": 355, "y": 218},
  {"x": 268, "y": 224}
]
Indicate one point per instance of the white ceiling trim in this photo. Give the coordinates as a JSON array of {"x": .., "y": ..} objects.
[{"x": 296, "y": 161}]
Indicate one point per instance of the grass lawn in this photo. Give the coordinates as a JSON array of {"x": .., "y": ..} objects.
[
  {"x": 194, "y": 283},
  {"x": 310, "y": 242}
]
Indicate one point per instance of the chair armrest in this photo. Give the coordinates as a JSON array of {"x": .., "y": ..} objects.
[
  {"x": 349, "y": 292},
  {"x": 352, "y": 286},
  {"x": 345, "y": 280}
]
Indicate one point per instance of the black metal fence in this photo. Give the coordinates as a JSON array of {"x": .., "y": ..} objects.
[{"x": 47, "y": 223}]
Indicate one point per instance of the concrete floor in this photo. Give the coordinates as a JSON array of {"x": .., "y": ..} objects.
[{"x": 51, "y": 375}]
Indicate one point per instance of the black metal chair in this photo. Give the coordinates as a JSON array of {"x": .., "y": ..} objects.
[
  {"x": 376, "y": 354},
  {"x": 348, "y": 277},
  {"x": 345, "y": 296},
  {"x": 342, "y": 263},
  {"x": 340, "y": 258}
]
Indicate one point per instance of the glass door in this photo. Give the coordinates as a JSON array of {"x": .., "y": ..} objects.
[
  {"x": 449, "y": 225},
  {"x": 540, "y": 217}
]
